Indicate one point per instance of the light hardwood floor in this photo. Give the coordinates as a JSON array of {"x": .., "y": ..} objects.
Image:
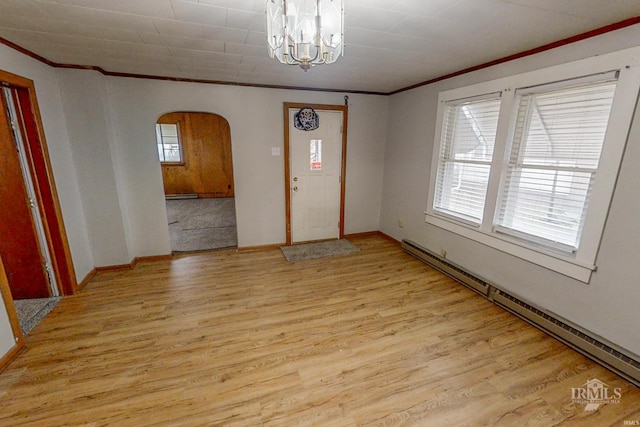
[{"x": 224, "y": 338}]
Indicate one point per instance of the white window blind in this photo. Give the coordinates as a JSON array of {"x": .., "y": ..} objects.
[
  {"x": 467, "y": 144},
  {"x": 554, "y": 157}
]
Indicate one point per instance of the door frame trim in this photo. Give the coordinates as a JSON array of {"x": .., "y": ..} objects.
[
  {"x": 5, "y": 296},
  {"x": 41, "y": 171},
  {"x": 287, "y": 164}
]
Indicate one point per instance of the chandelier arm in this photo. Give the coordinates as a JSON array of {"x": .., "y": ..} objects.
[{"x": 313, "y": 60}]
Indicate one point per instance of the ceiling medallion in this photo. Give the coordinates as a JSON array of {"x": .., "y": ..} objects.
[
  {"x": 306, "y": 119},
  {"x": 305, "y": 32}
]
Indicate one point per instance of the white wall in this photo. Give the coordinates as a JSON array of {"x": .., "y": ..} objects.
[
  {"x": 608, "y": 306},
  {"x": 83, "y": 100},
  {"x": 256, "y": 119}
]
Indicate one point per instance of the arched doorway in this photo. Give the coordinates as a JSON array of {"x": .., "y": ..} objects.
[{"x": 194, "y": 150}]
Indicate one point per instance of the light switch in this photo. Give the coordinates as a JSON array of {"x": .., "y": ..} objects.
[{"x": 275, "y": 151}]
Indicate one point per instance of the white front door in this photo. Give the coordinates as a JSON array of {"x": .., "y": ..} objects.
[{"x": 315, "y": 165}]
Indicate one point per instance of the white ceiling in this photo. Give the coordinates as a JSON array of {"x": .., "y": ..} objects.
[{"x": 390, "y": 44}]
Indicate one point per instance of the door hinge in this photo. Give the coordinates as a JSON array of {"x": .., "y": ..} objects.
[
  {"x": 14, "y": 130},
  {"x": 32, "y": 203}
]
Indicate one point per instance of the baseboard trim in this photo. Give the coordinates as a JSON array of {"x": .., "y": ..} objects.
[
  {"x": 153, "y": 258},
  {"x": 261, "y": 247},
  {"x": 373, "y": 233},
  {"x": 117, "y": 267},
  {"x": 90, "y": 275},
  {"x": 133, "y": 263},
  {"x": 363, "y": 234},
  {"x": 12, "y": 354}
]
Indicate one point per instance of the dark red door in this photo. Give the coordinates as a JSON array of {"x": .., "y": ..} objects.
[{"x": 19, "y": 245}]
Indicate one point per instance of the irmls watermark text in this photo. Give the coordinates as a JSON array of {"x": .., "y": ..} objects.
[{"x": 594, "y": 393}]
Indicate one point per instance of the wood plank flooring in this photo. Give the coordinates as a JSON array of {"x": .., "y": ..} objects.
[{"x": 374, "y": 338}]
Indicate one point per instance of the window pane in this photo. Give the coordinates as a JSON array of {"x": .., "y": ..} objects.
[
  {"x": 474, "y": 130},
  {"x": 555, "y": 154},
  {"x": 468, "y": 139},
  {"x": 546, "y": 203},
  {"x": 565, "y": 127},
  {"x": 315, "y": 149},
  {"x": 159, "y": 143},
  {"x": 464, "y": 190},
  {"x": 168, "y": 142}
]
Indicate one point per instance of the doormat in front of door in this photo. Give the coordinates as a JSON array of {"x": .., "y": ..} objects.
[{"x": 318, "y": 250}]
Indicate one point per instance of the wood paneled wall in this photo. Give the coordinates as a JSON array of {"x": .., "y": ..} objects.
[{"x": 207, "y": 167}]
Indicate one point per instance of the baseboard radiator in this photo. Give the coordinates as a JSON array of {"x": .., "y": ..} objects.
[
  {"x": 572, "y": 335},
  {"x": 180, "y": 196}
]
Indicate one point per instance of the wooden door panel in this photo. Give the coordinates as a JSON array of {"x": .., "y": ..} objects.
[
  {"x": 315, "y": 183},
  {"x": 19, "y": 245}
]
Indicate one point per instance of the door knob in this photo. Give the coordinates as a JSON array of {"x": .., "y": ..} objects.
[
  {"x": 295, "y": 188},
  {"x": 295, "y": 179}
]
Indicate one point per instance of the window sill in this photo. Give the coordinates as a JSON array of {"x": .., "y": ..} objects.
[{"x": 567, "y": 266}]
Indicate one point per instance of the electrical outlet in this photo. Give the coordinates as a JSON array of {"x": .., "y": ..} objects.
[
  {"x": 400, "y": 223},
  {"x": 275, "y": 151},
  {"x": 443, "y": 253}
]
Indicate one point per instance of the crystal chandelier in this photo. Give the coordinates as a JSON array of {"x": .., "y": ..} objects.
[{"x": 305, "y": 32}]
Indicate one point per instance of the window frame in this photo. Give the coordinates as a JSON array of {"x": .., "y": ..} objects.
[
  {"x": 180, "y": 162},
  {"x": 596, "y": 79},
  {"x": 580, "y": 264},
  {"x": 459, "y": 216}
]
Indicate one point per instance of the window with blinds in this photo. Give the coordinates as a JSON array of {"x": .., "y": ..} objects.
[
  {"x": 552, "y": 163},
  {"x": 527, "y": 164},
  {"x": 168, "y": 142},
  {"x": 466, "y": 153}
]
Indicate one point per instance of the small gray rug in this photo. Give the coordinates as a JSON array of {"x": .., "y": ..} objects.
[
  {"x": 318, "y": 250},
  {"x": 32, "y": 311}
]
